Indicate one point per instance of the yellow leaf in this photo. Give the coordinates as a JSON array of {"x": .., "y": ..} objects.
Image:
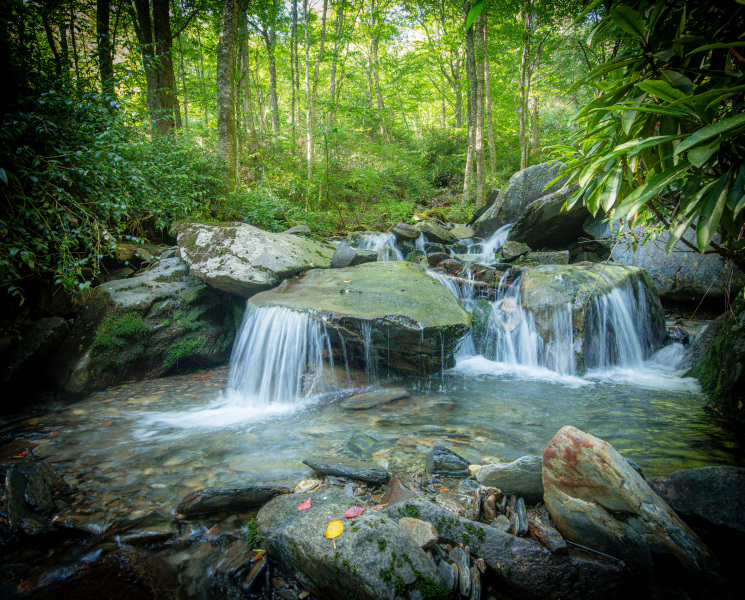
[{"x": 333, "y": 530}]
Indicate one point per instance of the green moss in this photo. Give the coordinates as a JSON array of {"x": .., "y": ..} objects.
[
  {"x": 399, "y": 585},
  {"x": 411, "y": 511},
  {"x": 173, "y": 277},
  {"x": 181, "y": 348},
  {"x": 381, "y": 544},
  {"x": 253, "y": 539},
  {"x": 116, "y": 328}
]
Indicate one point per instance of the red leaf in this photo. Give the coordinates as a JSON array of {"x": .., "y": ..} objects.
[
  {"x": 205, "y": 377},
  {"x": 21, "y": 455},
  {"x": 304, "y": 505},
  {"x": 354, "y": 511}
]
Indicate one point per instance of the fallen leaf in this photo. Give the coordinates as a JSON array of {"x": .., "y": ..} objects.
[
  {"x": 21, "y": 455},
  {"x": 205, "y": 377},
  {"x": 354, "y": 511},
  {"x": 304, "y": 505},
  {"x": 347, "y": 281},
  {"x": 33, "y": 421},
  {"x": 333, "y": 530}
]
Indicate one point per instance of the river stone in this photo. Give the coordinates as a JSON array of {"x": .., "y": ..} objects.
[
  {"x": 145, "y": 326},
  {"x": 548, "y": 258},
  {"x": 460, "y": 558},
  {"x": 359, "y": 445},
  {"x": 543, "y": 288},
  {"x": 545, "y": 224},
  {"x": 522, "y": 477},
  {"x": 523, "y": 188},
  {"x": 436, "y": 233},
  {"x": 352, "y": 468},
  {"x": 712, "y": 495},
  {"x": 375, "y": 398},
  {"x": 462, "y": 232},
  {"x": 244, "y": 260},
  {"x": 213, "y": 500},
  {"x": 298, "y": 230},
  {"x": 346, "y": 256},
  {"x": 374, "y": 557},
  {"x": 443, "y": 461},
  {"x": 415, "y": 322},
  {"x": 524, "y": 565},
  {"x": 682, "y": 275},
  {"x": 405, "y": 232},
  {"x": 597, "y": 499},
  {"x": 434, "y": 258},
  {"x": 424, "y": 533},
  {"x": 512, "y": 250}
]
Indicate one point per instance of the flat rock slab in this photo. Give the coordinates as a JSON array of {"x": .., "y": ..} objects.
[
  {"x": 213, "y": 500},
  {"x": 374, "y": 398},
  {"x": 374, "y": 557},
  {"x": 522, "y": 477},
  {"x": 443, "y": 461},
  {"x": 244, "y": 260},
  {"x": 524, "y": 565},
  {"x": 714, "y": 494},
  {"x": 341, "y": 466}
]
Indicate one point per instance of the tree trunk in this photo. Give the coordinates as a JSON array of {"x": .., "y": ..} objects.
[
  {"x": 270, "y": 38},
  {"x": 226, "y": 136},
  {"x": 535, "y": 138},
  {"x": 471, "y": 66},
  {"x": 73, "y": 41},
  {"x": 103, "y": 46},
  {"x": 489, "y": 118},
  {"x": 293, "y": 63},
  {"x": 524, "y": 83},
  {"x": 479, "y": 133},
  {"x": 309, "y": 133},
  {"x": 183, "y": 84},
  {"x": 245, "y": 89},
  {"x": 319, "y": 58},
  {"x": 334, "y": 61},
  {"x": 164, "y": 63},
  {"x": 203, "y": 83},
  {"x": 374, "y": 43}
]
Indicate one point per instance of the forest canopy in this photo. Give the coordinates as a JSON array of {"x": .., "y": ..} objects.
[{"x": 120, "y": 117}]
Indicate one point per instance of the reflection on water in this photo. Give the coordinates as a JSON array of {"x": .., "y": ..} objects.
[{"x": 148, "y": 444}]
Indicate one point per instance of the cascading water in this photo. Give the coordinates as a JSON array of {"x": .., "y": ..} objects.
[
  {"x": 382, "y": 243},
  {"x": 485, "y": 252}
]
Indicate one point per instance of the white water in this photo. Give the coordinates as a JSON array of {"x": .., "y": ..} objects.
[
  {"x": 382, "y": 243},
  {"x": 485, "y": 253}
]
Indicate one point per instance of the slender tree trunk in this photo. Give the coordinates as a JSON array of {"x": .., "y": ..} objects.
[
  {"x": 334, "y": 61},
  {"x": 293, "y": 62},
  {"x": 535, "y": 139},
  {"x": 167, "y": 91},
  {"x": 103, "y": 44},
  {"x": 270, "y": 38},
  {"x": 458, "y": 93},
  {"x": 203, "y": 83},
  {"x": 246, "y": 100},
  {"x": 524, "y": 83},
  {"x": 471, "y": 67},
  {"x": 479, "y": 133},
  {"x": 489, "y": 118},
  {"x": 319, "y": 58},
  {"x": 73, "y": 40},
  {"x": 309, "y": 133},
  {"x": 51, "y": 42},
  {"x": 227, "y": 146},
  {"x": 374, "y": 64},
  {"x": 64, "y": 46},
  {"x": 183, "y": 84}
]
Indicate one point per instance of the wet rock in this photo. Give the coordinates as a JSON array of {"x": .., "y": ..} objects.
[
  {"x": 244, "y": 260},
  {"x": 423, "y": 533},
  {"x": 55, "y": 300},
  {"x": 520, "y": 525},
  {"x": 596, "y": 499},
  {"x": 405, "y": 232},
  {"x": 523, "y": 565},
  {"x": 436, "y": 233},
  {"x": 212, "y": 500},
  {"x": 490, "y": 508},
  {"x": 443, "y": 461},
  {"x": 34, "y": 351},
  {"x": 346, "y": 256},
  {"x": 475, "y": 584},
  {"x": 448, "y": 575},
  {"x": 348, "y": 467},
  {"x": 462, "y": 232},
  {"x": 522, "y": 477},
  {"x": 503, "y": 523},
  {"x": 20, "y": 515},
  {"x": 375, "y": 398},
  {"x": 460, "y": 558},
  {"x": 451, "y": 504},
  {"x": 298, "y": 230},
  {"x": 362, "y": 565},
  {"x": 435, "y": 258},
  {"x": 546, "y": 534},
  {"x": 493, "y": 197},
  {"x": 523, "y": 188},
  {"x": 712, "y": 495},
  {"x": 548, "y": 258},
  {"x": 145, "y": 326},
  {"x": 513, "y": 250},
  {"x": 544, "y": 223},
  {"x": 359, "y": 445},
  {"x": 391, "y": 313},
  {"x": 400, "y": 489}
]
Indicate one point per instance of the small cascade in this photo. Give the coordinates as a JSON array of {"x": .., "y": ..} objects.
[
  {"x": 618, "y": 329},
  {"x": 382, "y": 243},
  {"x": 278, "y": 356},
  {"x": 420, "y": 243},
  {"x": 485, "y": 252}
]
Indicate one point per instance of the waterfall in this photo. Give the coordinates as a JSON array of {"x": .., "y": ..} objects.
[
  {"x": 382, "y": 243},
  {"x": 278, "y": 356},
  {"x": 485, "y": 252}
]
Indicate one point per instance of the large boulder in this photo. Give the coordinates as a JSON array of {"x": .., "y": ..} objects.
[
  {"x": 244, "y": 260},
  {"x": 523, "y": 565},
  {"x": 545, "y": 224},
  {"x": 588, "y": 292},
  {"x": 373, "y": 557},
  {"x": 524, "y": 188},
  {"x": 389, "y": 312},
  {"x": 684, "y": 274},
  {"x": 598, "y": 500},
  {"x": 721, "y": 366},
  {"x": 142, "y": 327},
  {"x": 436, "y": 233}
]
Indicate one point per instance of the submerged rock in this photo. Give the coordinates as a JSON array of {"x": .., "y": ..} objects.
[
  {"x": 142, "y": 327},
  {"x": 212, "y": 500},
  {"x": 524, "y": 188},
  {"x": 244, "y": 260},
  {"x": 524, "y": 565},
  {"x": 522, "y": 477},
  {"x": 443, "y": 461},
  {"x": 375, "y": 398},
  {"x": 389, "y": 313},
  {"x": 597, "y": 499},
  {"x": 374, "y": 557},
  {"x": 352, "y": 468}
]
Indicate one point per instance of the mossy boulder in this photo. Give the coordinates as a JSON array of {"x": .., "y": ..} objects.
[
  {"x": 721, "y": 371},
  {"x": 143, "y": 327},
  {"x": 410, "y": 321},
  {"x": 244, "y": 260},
  {"x": 548, "y": 288}
]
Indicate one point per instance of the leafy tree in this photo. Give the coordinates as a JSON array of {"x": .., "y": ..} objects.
[{"x": 664, "y": 140}]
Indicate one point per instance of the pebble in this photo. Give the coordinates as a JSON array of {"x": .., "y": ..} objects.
[
  {"x": 423, "y": 532},
  {"x": 460, "y": 558}
]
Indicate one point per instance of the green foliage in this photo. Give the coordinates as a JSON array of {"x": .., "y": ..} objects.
[
  {"x": 665, "y": 138},
  {"x": 253, "y": 538},
  {"x": 442, "y": 158}
]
